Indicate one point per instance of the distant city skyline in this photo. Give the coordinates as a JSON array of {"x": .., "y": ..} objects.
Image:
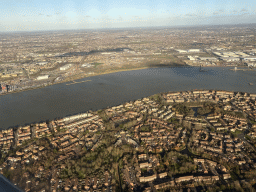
[{"x": 30, "y": 15}]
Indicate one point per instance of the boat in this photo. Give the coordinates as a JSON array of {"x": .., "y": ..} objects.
[
  {"x": 250, "y": 83},
  {"x": 201, "y": 70}
]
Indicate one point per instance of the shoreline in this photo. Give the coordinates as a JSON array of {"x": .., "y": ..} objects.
[
  {"x": 91, "y": 75},
  {"x": 96, "y": 111},
  {"x": 104, "y": 73}
]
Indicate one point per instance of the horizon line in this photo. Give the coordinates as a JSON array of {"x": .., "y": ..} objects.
[{"x": 130, "y": 28}]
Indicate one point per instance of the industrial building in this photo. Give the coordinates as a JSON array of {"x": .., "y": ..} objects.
[
  {"x": 194, "y": 50},
  {"x": 230, "y": 59},
  {"x": 42, "y": 63},
  {"x": 252, "y": 58},
  {"x": 65, "y": 67},
  {"x": 87, "y": 65},
  {"x": 42, "y": 77},
  {"x": 181, "y": 51},
  {"x": 207, "y": 58}
]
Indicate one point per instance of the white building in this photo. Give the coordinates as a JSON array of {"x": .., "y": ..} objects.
[
  {"x": 42, "y": 63},
  {"x": 194, "y": 50},
  {"x": 181, "y": 51},
  {"x": 65, "y": 67},
  {"x": 107, "y": 53},
  {"x": 42, "y": 77},
  {"x": 86, "y": 65},
  {"x": 208, "y": 58},
  {"x": 218, "y": 54},
  {"x": 192, "y": 58},
  {"x": 230, "y": 59},
  {"x": 252, "y": 58}
]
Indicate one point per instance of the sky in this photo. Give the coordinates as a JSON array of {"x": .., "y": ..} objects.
[{"x": 38, "y": 15}]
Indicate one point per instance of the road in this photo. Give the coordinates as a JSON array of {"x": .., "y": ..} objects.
[{"x": 119, "y": 177}]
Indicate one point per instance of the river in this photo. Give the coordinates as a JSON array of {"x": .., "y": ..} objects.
[{"x": 99, "y": 92}]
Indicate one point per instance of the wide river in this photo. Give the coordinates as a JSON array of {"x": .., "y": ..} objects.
[{"x": 61, "y": 100}]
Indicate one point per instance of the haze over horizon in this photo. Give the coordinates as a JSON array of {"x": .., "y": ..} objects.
[{"x": 23, "y": 15}]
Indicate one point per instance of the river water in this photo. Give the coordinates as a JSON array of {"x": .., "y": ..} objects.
[{"x": 113, "y": 89}]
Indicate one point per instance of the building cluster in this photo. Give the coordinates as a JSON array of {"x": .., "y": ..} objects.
[
  {"x": 66, "y": 136},
  {"x": 158, "y": 135},
  {"x": 153, "y": 129},
  {"x": 51, "y": 58},
  {"x": 99, "y": 182},
  {"x": 234, "y": 56},
  {"x": 143, "y": 171},
  {"x": 232, "y": 101},
  {"x": 229, "y": 149},
  {"x": 86, "y": 122},
  {"x": 188, "y": 51}
]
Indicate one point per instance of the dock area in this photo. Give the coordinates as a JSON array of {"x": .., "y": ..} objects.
[{"x": 74, "y": 82}]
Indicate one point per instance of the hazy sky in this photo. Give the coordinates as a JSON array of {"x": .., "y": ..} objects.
[{"x": 31, "y": 15}]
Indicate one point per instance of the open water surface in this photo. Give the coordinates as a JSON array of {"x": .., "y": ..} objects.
[{"x": 61, "y": 100}]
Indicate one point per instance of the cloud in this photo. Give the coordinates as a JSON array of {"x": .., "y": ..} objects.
[
  {"x": 243, "y": 10},
  {"x": 190, "y": 15},
  {"x": 218, "y": 12}
]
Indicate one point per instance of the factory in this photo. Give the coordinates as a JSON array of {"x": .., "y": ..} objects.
[
  {"x": 42, "y": 77},
  {"x": 188, "y": 51},
  {"x": 208, "y": 58},
  {"x": 87, "y": 65},
  {"x": 194, "y": 50},
  {"x": 195, "y": 57},
  {"x": 181, "y": 51},
  {"x": 251, "y": 58},
  {"x": 230, "y": 59},
  {"x": 41, "y": 63},
  {"x": 65, "y": 67}
]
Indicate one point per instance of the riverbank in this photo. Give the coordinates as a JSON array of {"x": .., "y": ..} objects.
[
  {"x": 111, "y": 90},
  {"x": 75, "y": 77}
]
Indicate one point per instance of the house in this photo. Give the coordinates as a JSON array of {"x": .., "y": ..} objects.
[
  {"x": 185, "y": 178},
  {"x": 203, "y": 178},
  {"x": 226, "y": 176},
  {"x": 162, "y": 175},
  {"x": 148, "y": 178},
  {"x": 144, "y": 165},
  {"x": 163, "y": 185},
  {"x": 142, "y": 156},
  {"x": 198, "y": 160}
]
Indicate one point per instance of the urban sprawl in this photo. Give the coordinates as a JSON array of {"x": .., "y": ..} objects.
[
  {"x": 33, "y": 60},
  {"x": 195, "y": 140}
]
